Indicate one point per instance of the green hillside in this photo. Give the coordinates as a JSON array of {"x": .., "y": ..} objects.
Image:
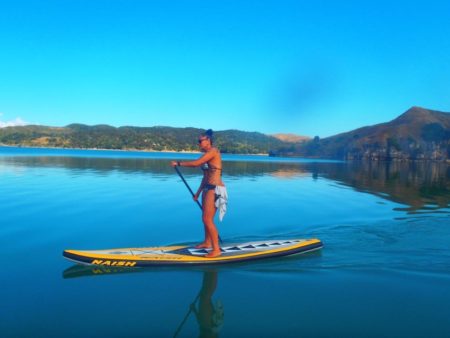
[{"x": 136, "y": 138}]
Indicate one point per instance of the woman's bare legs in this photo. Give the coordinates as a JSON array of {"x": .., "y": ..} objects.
[{"x": 211, "y": 234}]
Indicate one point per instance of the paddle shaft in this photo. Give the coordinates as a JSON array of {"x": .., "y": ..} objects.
[
  {"x": 187, "y": 186},
  {"x": 190, "y": 190}
]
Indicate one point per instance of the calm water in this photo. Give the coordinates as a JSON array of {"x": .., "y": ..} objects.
[{"x": 384, "y": 269}]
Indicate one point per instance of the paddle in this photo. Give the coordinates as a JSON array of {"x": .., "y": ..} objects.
[{"x": 190, "y": 190}]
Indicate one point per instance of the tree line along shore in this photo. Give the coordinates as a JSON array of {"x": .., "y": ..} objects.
[{"x": 417, "y": 134}]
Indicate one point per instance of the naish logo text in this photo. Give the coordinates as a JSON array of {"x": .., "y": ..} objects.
[{"x": 112, "y": 263}]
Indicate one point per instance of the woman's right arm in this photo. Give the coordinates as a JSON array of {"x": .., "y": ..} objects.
[{"x": 200, "y": 188}]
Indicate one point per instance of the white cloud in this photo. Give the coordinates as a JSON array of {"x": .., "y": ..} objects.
[{"x": 12, "y": 123}]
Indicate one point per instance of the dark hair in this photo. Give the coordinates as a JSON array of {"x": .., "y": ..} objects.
[{"x": 208, "y": 134}]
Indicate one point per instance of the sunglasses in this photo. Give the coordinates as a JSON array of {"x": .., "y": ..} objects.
[{"x": 201, "y": 140}]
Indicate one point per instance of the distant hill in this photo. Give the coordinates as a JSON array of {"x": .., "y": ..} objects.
[
  {"x": 291, "y": 138},
  {"x": 136, "y": 138},
  {"x": 415, "y": 135}
]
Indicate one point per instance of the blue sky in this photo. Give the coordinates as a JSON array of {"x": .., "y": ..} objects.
[{"x": 304, "y": 67}]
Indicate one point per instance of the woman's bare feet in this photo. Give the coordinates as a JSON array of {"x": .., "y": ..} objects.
[
  {"x": 204, "y": 245},
  {"x": 213, "y": 253}
]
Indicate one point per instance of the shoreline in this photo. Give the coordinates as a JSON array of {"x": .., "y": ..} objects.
[{"x": 447, "y": 161}]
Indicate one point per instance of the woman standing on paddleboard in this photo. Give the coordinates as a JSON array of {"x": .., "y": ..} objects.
[{"x": 214, "y": 193}]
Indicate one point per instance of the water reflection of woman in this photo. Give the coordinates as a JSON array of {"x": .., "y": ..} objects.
[
  {"x": 214, "y": 194},
  {"x": 209, "y": 316}
]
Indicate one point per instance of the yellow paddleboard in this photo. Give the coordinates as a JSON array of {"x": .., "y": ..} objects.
[{"x": 189, "y": 255}]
